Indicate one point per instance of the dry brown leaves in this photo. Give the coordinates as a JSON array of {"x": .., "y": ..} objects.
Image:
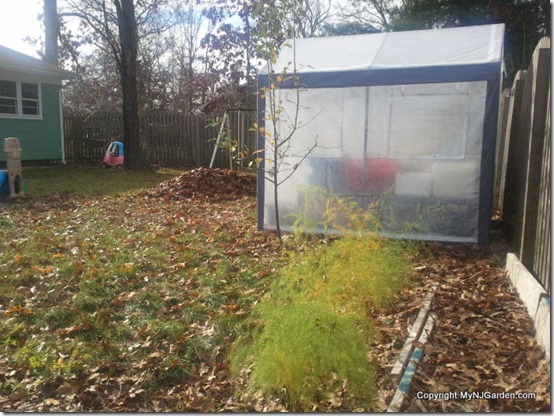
[
  {"x": 482, "y": 342},
  {"x": 205, "y": 183},
  {"x": 223, "y": 221}
]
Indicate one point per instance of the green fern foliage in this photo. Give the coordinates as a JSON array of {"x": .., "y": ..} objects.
[
  {"x": 302, "y": 346},
  {"x": 312, "y": 330}
]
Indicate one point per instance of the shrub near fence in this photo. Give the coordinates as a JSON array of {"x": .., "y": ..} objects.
[
  {"x": 523, "y": 180},
  {"x": 168, "y": 139}
]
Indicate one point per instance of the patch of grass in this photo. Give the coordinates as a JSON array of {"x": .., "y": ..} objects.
[
  {"x": 90, "y": 180},
  {"x": 117, "y": 292}
]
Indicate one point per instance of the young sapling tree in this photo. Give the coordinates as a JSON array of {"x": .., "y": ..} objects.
[{"x": 281, "y": 114}]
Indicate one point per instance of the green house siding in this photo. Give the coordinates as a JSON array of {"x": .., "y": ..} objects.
[{"x": 40, "y": 139}]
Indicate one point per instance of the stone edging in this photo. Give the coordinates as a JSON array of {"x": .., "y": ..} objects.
[
  {"x": 405, "y": 366},
  {"x": 534, "y": 297}
]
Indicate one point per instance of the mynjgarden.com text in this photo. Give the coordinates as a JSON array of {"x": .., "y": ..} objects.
[{"x": 473, "y": 395}]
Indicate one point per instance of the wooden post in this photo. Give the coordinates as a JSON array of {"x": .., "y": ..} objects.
[
  {"x": 501, "y": 150},
  {"x": 12, "y": 151},
  {"x": 540, "y": 89},
  {"x": 543, "y": 239},
  {"x": 509, "y": 211}
]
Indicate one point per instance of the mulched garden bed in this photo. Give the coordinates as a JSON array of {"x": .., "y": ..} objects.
[{"x": 482, "y": 341}]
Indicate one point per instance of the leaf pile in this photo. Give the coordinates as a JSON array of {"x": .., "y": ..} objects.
[{"x": 206, "y": 183}]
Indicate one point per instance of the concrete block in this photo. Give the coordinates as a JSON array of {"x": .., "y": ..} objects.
[
  {"x": 533, "y": 296},
  {"x": 542, "y": 325},
  {"x": 527, "y": 287}
]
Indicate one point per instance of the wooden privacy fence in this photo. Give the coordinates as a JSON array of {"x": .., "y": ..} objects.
[
  {"x": 168, "y": 139},
  {"x": 522, "y": 186}
]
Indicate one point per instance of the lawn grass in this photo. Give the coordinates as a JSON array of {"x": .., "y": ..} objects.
[
  {"x": 90, "y": 180},
  {"x": 109, "y": 300}
]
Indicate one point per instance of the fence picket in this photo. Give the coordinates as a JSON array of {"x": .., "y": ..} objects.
[
  {"x": 523, "y": 189},
  {"x": 169, "y": 139}
]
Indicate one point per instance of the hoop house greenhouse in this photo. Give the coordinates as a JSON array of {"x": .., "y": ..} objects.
[{"x": 404, "y": 121}]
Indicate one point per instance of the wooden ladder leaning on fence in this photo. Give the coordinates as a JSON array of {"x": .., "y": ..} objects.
[{"x": 224, "y": 124}]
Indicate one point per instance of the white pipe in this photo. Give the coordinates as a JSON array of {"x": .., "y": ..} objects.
[{"x": 62, "y": 136}]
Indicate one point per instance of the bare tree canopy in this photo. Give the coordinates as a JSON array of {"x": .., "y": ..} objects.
[{"x": 192, "y": 54}]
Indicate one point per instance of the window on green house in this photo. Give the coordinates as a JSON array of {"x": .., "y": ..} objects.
[
  {"x": 8, "y": 97},
  {"x": 19, "y": 98},
  {"x": 29, "y": 101}
]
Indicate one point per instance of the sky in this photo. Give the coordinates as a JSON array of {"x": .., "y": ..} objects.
[{"x": 19, "y": 19}]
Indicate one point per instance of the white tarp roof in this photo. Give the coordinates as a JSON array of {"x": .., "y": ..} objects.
[{"x": 410, "y": 49}]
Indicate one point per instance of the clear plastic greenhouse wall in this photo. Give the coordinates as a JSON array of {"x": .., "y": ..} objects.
[{"x": 401, "y": 123}]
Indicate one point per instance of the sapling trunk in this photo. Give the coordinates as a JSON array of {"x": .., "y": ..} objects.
[{"x": 276, "y": 200}]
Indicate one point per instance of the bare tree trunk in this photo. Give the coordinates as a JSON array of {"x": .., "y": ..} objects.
[
  {"x": 128, "y": 38},
  {"x": 51, "y": 31}
]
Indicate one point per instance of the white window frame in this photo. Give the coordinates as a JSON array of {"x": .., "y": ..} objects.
[{"x": 20, "y": 99}]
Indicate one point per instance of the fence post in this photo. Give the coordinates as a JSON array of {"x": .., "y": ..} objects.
[
  {"x": 502, "y": 150},
  {"x": 526, "y": 210},
  {"x": 543, "y": 239},
  {"x": 540, "y": 89},
  {"x": 509, "y": 210}
]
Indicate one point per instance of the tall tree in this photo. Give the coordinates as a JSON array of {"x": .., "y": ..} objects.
[
  {"x": 282, "y": 19},
  {"x": 243, "y": 27},
  {"x": 127, "y": 64},
  {"x": 526, "y": 21},
  {"x": 367, "y": 16},
  {"x": 228, "y": 46},
  {"x": 97, "y": 88},
  {"x": 309, "y": 16},
  {"x": 51, "y": 31},
  {"x": 186, "y": 48},
  {"x": 116, "y": 26},
  {"x": 346, "y": 27}
]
